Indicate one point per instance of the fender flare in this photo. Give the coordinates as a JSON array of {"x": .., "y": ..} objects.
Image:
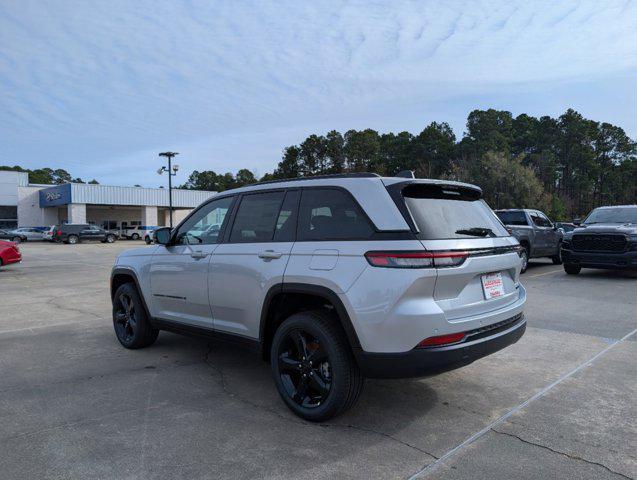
[
  {"x": 319, "y": 291},
  {"x": 129, "y": 272}
]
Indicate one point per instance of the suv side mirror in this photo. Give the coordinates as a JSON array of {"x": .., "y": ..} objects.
[
  {"x": 577, "y": 221},
  {"x": 162, "y": 235}
]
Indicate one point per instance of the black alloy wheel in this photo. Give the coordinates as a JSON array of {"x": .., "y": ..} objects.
[
  {"x": 125, "y": 318},
  {"x": 313, "y": 366},
  {"x": 304, "y": 368},
  {"x": 17, "y": 240},
  {"x": 130, "y": 321}
]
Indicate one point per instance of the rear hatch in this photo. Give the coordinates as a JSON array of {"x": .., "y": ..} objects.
[{"x": 480, "y": 265}]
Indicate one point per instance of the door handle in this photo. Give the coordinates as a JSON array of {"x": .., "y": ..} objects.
[
  {"x": 270, "y": 255},
  {"x": 198, "y": 254}
]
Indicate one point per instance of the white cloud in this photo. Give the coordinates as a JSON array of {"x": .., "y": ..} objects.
[{"x": 89, "y": 82}]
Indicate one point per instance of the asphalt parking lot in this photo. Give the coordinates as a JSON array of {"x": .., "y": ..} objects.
[{"x": 74, "y": 404}]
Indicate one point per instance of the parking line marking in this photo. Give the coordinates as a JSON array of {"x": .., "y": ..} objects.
[
  {"x": 545, "y": 273},
  {"x": 468, "y": 441},
  {"x": 39, "y": 327}
]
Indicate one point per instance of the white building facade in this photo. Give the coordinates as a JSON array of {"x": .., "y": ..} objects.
[{"x": 27, "y": 205}]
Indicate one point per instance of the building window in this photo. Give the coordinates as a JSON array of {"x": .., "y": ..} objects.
[{"x": 8, "y": 217}]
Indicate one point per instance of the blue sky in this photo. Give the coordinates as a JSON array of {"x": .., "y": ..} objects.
[{"x": 99, "y": 88}]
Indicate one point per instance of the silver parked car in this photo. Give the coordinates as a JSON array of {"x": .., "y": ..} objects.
[
  {"x": 333, "y": 279},
  {"x": 30, "y": 233}
]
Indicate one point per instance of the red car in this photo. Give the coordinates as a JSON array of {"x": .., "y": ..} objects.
[{"x": 9, "y": 253}]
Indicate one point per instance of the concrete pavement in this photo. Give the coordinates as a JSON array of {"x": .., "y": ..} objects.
[{"x": 75, "y": 404}]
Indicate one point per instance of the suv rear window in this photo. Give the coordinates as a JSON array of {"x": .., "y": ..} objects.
[
  {"x": 442, "y": 212},
  {"x": 512, "y": 218}
]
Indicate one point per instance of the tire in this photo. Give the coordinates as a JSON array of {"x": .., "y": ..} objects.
[
  {"x": 557, "y": 259},
  {"x": 526, "y": 254},
  {"x": 572, "y": 269},
  {"x": 134, "y": 236},
  {"x": 130, "y": 321},
  {"x": 110, "y": 238},
  {"x": 147, "y": 240},
  {"x": 330, "y": 387},
  {"x": 16, "y": 239},
  {"x": 73, "y": 239}
]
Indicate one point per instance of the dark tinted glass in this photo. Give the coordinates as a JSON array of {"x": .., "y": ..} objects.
[
  {"x": 286, "y": 222},
  {"x": 539, "y": 220},
  {"x": 257, "y": 218},
  {"x": 512, "y": 218},
  {"x": 613, "y": 215},
  {"x": 8, "y": 212},
  {"x": 443, "y": 213},
  {"x": 331, "y": 214}
]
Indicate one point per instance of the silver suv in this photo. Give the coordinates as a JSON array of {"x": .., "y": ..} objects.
[{"x": 333, "y": 279}]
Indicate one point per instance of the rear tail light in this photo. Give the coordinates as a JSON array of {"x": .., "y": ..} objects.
[
  {"x": 417, "y": 259},
  {"x": 59, "y": 233},
  {"x": 442, "y": 340}
]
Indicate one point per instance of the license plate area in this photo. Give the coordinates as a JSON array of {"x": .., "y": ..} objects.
[{"x": 492, "y": 285}]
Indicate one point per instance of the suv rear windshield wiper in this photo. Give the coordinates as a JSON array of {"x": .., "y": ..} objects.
[{"x": 476, "y": 232}]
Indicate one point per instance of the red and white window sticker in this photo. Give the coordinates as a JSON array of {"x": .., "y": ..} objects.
[{"x": 492, "y": 285}]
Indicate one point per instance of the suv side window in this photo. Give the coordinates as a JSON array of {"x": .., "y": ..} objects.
[
  {"x": 331, "y": 214},
  {"x": 257, "y": 217},
  {"x": 204, "y": 226},
  {"x": 286, "y": 222}
]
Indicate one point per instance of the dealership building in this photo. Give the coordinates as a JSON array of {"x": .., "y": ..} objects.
[{"x": 23, "y": 204}]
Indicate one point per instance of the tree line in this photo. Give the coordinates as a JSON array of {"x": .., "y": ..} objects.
[
  {"x": 565, "y": 166},
  {"x": 47, "y": 175}
]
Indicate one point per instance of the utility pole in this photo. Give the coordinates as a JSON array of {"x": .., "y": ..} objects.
[{"x": 172, "y": 171}]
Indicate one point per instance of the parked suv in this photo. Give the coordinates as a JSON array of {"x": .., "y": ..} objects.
[
  {"x": 606, "y": 239},
  {"x": 333, "y": 279},
  {"x": 538, "y": 236},
  {"x": 136, "y": 232},
  {"x": 82, "y": 232}
]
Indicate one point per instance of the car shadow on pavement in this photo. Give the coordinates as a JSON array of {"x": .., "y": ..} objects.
[{"x": 386, "y": 407}]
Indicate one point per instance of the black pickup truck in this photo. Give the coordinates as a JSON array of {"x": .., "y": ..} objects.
[
  {"x": 536, "y": 233},
  {"x": 81, "y": 232},
  {"x": 606, "y": 239}
]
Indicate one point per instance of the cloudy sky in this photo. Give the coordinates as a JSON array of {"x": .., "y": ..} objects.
[{"x": 99, "y": 88}]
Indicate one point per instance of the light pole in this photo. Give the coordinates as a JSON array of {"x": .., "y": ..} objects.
[{"x": 172, "y": 171}]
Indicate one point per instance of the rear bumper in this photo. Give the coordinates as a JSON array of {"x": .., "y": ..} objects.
[
  {"x": 624, "y": 261},
  {"x": 421, "y": 362}
]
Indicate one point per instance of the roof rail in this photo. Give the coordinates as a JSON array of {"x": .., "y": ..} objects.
[{"x": 320, "y": 177}]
